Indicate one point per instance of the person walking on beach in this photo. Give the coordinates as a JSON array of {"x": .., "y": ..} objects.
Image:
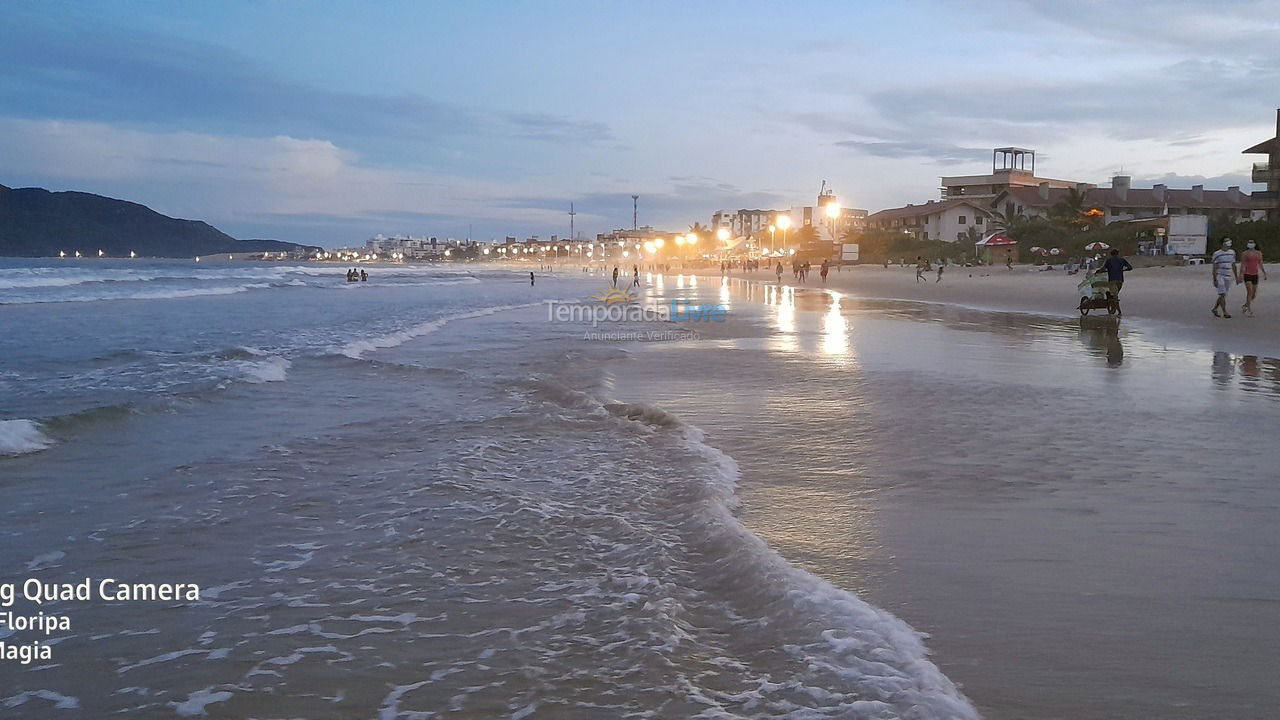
[
  {"x": 779, "y": 271},
  {"x": 940, "y": 266},
  {"x": 1250, "y": 266},
  {"x": 1008, "y": 261},
  {"x": 1116, "y": 267},
  {"x": 530, "y": 278},
  {"x": 826, "y": 268},
  {"x": 920, "y": 266},
  {"x": 635, "y": 276},
  {"x": 1225, "y": 271},
  {"x": 615, "y": 276}
]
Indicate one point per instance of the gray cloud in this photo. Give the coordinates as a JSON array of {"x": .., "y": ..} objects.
[
  {"x": 49, "y": 70},
  {"x": 941, "y": 153}
]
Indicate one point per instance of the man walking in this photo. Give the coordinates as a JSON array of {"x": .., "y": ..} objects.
[
  {"x": 1116, "y": 267},
  {"x": 1225, "y": 272}
]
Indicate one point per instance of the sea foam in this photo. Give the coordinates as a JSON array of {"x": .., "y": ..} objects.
[
  {"x": 358, "y": 348},
  {"x": 19, "y": 437}
]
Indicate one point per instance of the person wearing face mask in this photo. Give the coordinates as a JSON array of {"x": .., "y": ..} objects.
[
  {"x": 1250, "y": 267},
  {"x": 1225, "y": 271}
]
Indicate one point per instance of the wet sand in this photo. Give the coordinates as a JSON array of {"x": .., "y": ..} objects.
[
  {"x": 1080, "y": 515},
  {"x": 1171, "y": 303}
]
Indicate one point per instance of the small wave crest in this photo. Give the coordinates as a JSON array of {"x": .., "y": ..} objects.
[
  {"x": 20, "y": 437},
  {"x": 258, "y": 366},
  {"x": 358, "y": 348}
]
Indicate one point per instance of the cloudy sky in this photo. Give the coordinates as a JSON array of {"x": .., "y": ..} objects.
[{"x": 329, "y": 122}]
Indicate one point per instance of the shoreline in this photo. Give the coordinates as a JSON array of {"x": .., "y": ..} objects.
[{"x": 1168, "y": 304}]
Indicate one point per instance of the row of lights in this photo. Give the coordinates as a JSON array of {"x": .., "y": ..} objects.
[{"x": 101, "y": 253}]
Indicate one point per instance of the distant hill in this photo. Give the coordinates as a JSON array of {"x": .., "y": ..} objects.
[{"x": 37, "y": 223}]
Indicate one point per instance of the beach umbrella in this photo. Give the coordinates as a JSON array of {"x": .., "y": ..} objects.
[
  {"x": 1054, "y": 251},
  {"x": 1097, "y": 246}
]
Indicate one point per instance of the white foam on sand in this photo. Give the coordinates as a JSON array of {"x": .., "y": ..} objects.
[
  {"x": 358, "y": 348},
  {"x": 19, "y": 437},
  {"x": 196, "y": 702},
  {"x": 60, "y": 701}
]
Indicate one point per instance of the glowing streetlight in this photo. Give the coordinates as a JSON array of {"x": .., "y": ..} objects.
[
  {"x": 723, "y": 234},
  {"x": 833, "y": 210},
  {"x": 679, "y": 240},
  {"x": 659, "y": 242}
]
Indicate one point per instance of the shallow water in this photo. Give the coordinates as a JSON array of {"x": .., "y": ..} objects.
[
  {"x": 411, "y": 498},
  {"x": 1082, "y": 519}
]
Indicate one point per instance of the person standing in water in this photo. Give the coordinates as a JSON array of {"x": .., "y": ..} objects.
[
  {"x": 1250, "y": 267},
  {"x": 1225, "y": 271},
  {"x": 364, "y": 276}
]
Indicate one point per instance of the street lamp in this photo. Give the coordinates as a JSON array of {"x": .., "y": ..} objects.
[
  {"x": 784, "y": 223},
  {"x": 772, "y": 229}
]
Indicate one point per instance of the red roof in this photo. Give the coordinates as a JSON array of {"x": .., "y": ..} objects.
[{"x": 1136, "y": 197}]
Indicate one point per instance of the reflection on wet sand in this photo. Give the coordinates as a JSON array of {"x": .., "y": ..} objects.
[
  {"x": 1248, "y": 372},
  {"x": 1102, "y": 337}
]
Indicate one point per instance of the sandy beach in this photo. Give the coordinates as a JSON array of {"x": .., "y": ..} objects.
[
  {"x": 1074, "y": 512},
  {"x": 1169, "y": 303}
]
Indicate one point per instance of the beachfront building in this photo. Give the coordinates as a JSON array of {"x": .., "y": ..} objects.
[
  {"x": 948, "y": 220},
  {"x": 1121, "y": 201},
  {"x": 1011, "y": 167},
  {"x": 744, "y": 223},
  {"x": 1267, "y": 173}
]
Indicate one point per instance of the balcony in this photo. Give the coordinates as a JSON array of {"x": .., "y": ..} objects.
[{"x": 1264, "y": 173}]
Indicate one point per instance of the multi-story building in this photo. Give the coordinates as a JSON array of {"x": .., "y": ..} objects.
[
  {"x": 744, "y": 223},
  {"x": 1121, "y": 201},
  {"x": 948, "y": 220},
  {"x": 1268, "y": 173},
  {"x": 1009, "y": 169}
]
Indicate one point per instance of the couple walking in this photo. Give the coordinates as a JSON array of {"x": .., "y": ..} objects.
[{"x": 1227, "y": 271}]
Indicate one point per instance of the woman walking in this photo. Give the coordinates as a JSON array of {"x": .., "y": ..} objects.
[{"x": 1250, "y": 267}]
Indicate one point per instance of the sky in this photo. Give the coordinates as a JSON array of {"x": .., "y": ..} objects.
[{"x": 329, "y": 122}]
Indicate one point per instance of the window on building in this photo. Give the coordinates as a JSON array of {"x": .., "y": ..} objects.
[
  {"x": 962, "y": 219},
  {"x": 959, "y": 237},
  {"x": 978, "y": 220}
]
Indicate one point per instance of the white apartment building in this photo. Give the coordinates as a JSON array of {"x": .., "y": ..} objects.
[{"x": 948, "y": 220}]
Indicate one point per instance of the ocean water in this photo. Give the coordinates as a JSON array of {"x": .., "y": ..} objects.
[{"x": 415, "y": 497}]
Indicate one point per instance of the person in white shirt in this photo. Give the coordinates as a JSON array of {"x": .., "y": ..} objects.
[{"x": 1225, "y": 273}]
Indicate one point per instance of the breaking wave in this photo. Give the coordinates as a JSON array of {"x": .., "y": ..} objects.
[{"x": 20, "y": 437}]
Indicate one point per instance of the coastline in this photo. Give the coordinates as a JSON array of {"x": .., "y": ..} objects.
[{"x": 1033, "y": 571}]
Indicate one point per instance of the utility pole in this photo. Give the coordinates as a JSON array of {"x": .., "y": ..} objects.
[
  {"x": 572, "y": 236},
  {"x": 635, "y": 212}
]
